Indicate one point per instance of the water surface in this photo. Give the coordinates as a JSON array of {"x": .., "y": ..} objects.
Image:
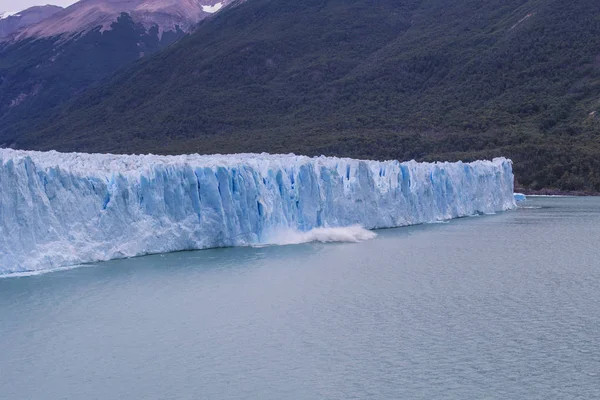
[{"x": 496, "y": 307}]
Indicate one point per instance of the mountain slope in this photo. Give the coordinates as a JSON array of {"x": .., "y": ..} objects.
[
  {"x": 425, "y": 79},
  {"x": 46, "y": 63},
  {"x": 10, "y": 23},
  {"x": 39, "y": 73}
]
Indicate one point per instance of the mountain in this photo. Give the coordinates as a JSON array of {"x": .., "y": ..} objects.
[
  {"x": 45, "y": 63},
  {"x": 12, "y": 21},
  {"x": 87, "y": 15},
  {"x": 424, "y": 79}
]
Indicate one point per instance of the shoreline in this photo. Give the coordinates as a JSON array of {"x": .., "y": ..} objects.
[{"x": 554, "y": 192}]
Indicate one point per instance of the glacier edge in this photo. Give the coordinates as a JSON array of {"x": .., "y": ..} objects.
[{"x": 60, "y": 209}]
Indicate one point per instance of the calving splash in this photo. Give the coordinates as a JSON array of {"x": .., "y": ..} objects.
[
  {"x": 60, "y": 209},
  {"x": 352, "y": 234}
]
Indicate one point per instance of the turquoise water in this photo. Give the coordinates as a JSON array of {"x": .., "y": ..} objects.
[{"x": 496, "y": 307}]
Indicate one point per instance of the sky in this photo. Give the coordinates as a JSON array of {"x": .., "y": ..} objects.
[{"x": 18, "y": 5}]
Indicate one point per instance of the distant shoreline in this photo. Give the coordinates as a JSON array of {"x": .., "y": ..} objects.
[{"x": 554, "y": 192}]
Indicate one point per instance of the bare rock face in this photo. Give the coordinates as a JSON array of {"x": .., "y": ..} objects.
[
  {"x": 85, "y": 15},
  {"x": 10, "y": 22}
]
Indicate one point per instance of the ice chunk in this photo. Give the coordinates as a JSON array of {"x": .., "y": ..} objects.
[
  {"x": 519, "y": 197},
  {"x": 63, "y": 209}
]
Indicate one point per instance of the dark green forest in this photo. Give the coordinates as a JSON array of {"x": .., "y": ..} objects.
[{"x": 423, "y": 79}]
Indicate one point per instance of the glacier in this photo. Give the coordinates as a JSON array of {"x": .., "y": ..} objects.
[{"x": 62, "y": 209}]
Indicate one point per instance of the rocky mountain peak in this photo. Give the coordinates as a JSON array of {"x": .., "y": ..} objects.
[{"x": 86, "y": 15}]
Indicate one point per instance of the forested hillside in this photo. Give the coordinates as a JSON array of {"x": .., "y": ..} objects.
[
  {"x": 423, "y": 79},
  {"x": 37, "y": 74}
]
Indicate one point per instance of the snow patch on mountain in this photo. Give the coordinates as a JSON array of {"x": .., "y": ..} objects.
[
  {"x": 212, "y": 9},
  {"x": 6, "y": 14}
]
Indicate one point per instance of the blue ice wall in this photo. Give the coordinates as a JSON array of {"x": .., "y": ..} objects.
[{"x": 63, "y": 209}]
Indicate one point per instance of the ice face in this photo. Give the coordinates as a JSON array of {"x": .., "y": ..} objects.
[{"x": 63, "y": 209}]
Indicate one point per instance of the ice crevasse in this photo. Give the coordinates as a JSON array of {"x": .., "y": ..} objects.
[{"x": 60, "y": 209}]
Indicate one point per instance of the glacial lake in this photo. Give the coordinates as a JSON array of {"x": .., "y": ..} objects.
[{"x": 497, "y": 307}]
